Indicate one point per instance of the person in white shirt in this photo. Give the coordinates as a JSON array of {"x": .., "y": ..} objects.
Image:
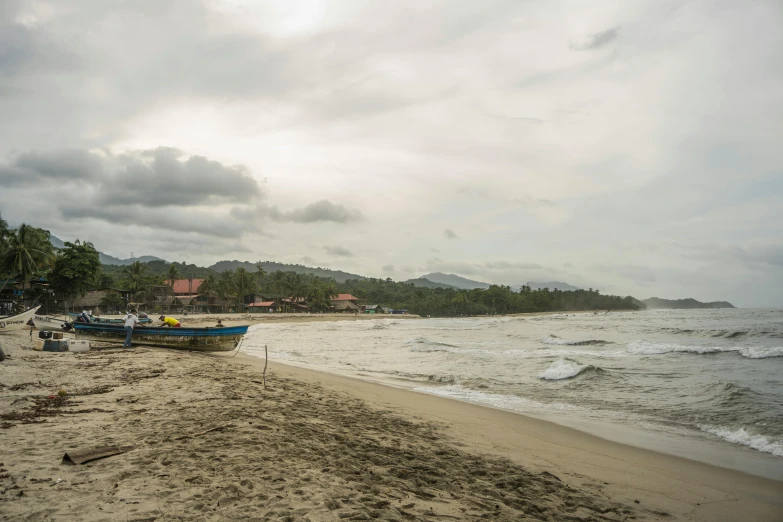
[{"x": 130, "y": 322}]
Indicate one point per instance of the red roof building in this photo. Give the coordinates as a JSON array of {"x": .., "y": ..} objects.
[
  {"x": 345, "y": 297},
  {"x": 186, "y": 286}
]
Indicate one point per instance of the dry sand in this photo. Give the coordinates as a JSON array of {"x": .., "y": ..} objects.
[{"x": 211, "y": 443}]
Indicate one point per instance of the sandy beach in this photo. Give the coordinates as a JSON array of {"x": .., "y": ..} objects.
[{"x": 203, "y": 439}]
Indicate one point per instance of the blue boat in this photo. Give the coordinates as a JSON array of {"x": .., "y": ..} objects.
[
  {"x": 107, "y": 320},
  {"x": 206, "y": 339}
]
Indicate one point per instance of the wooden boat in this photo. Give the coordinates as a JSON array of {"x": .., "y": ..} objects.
[
  {"x": 207, "y": 339},
  {"x": 52, "y": 324},
  {"x": 107, "y": 320},
  {"x": 18, "y": 321}
]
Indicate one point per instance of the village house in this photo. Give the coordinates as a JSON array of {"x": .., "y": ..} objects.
[{"x": 345, "y": 303}]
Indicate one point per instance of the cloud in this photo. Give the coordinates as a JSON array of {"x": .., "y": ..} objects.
[
  {"x": 166, "y": 221},
  {"x": 505, "y": 265},
  {"x": 388, "y": 269},
  {"x": 307, "y": 260},
  {"x": 319, "y": 211},
  {"x": 338, "y": 251},
  {"x": 597, "y": 40},
  {"x": 640, "y": 274},
  {"x": 449, "y": 234},
  {"x": 149, "y": 178}
]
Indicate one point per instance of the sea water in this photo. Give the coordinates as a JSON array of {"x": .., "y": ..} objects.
[{"x": 704, "y": 384}]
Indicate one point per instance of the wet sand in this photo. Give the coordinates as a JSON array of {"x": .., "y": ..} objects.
[{"x": 210, "y": 442}]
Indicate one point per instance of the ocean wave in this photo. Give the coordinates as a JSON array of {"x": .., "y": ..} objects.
[
  {"x": 553, "y": 339},
  {"x": 649, "y": 348},
  {"x": 423, "y": 345},
  {"x": 495, "y": 400},
  {"x": 743, "y": 437},
  {"x": 725, "y": 334},
  {"x": 761, "y": 352},
  {"x": 564, "y": 369},
  {"x": 753, "y": 352}
]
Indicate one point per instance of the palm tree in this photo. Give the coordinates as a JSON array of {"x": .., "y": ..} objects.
[
  {"x": 4, "y": 231},
  {"x": 209, "y": 287},
  {"x": 172, "y": 274},
  {"x": 26, "y": 251},
  {"x": 225, "y": 285},
  {"x": 135, "y": 276},
  {"x": 245, "y": 283},
  {"x": 260, "y": 273}
]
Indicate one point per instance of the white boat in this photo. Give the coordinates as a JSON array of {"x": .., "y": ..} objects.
[
  {"x": 51, "y": 324},
  {"x": 18, "y": 321}
]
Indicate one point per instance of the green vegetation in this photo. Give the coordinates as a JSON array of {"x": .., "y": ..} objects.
[
  {"x": 26, "y": 252},
  {"x": 687, "y": 304},
  {"x": 74, "y": 269},
  {"x": 494, "y": 300},
  {"x": 77, "y": 269}
]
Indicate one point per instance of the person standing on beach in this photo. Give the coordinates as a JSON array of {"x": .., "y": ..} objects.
[{"x": 130, "y": 322}]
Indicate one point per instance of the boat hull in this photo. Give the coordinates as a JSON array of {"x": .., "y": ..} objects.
[
  {"x": 108, "y": 320},
  {"x": 199, "y": 339},
  {"x": 51, "y": 324},
  {"x": 18, "y": 321}
]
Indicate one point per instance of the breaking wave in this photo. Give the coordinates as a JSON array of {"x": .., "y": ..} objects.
[
  {"x": 564, "y": 369},
  {"x": 743, "y": 437},
  {"x": 725, "y": 334},
  {"x": 553, "y": 339},
  {"x": 753, "y": 352}
]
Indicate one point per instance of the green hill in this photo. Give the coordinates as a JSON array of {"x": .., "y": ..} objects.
[
  {"x": 272, "y": 266},
  {"x": 658, "y": 303}
]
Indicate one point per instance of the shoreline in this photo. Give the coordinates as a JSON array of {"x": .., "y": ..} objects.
[
  {"x": 209, "y": 441},
  {"x": 625, "y": 472},
  {"x": 718, "y": 454}
]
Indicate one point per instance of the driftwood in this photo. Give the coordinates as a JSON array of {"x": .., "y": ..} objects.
[
  {"x": 217, "y": 428},
  {"x": 86, "y": 455},
  {"x": 266, "y": 360}
]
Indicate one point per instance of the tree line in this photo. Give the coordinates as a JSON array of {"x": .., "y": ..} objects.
[{"x": 26, "y": 253}]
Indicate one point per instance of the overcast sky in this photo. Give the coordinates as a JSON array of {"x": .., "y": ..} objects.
[{"x": 630, "y": 146}]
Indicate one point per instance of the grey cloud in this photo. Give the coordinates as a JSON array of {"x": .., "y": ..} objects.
[
  {"x": 449, "y": 234},
  {"x": 323, "y": 210},
  {"x": 58, "y": 166},
  {"x": 151, "y": 178},
  {"x": 639, "y": 274},
  {"x": 308, "y": 261},
  {"x": 389, "y": 269},
  {"x": 597, "y": 40},
  {"x": 505, "y": 265},
  {"x": 163, "y": 221},
  {"x": 338, "y": 251},
  {"x": 770, "y": 253}
]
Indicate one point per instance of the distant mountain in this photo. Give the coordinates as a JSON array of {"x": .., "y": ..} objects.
[
  {"x": 454, "y": 281},
  {"x": 106, "y": 259},
  {"x": 553, "y": 285},
  {"x": 426, "y": 283},
  {"x": 271, "y": 266},
  {"x": 656, "y": 302}
]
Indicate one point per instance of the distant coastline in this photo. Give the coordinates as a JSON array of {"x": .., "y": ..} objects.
[{"x": 656, "y": 303}]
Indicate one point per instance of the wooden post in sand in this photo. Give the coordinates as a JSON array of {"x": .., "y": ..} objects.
[{"x": 266, "y": 360}]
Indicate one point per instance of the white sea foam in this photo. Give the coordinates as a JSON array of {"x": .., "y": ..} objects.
[
  {"x": 495, "y": 400},
  {"x": 563, "y": 369},
  {"x": 556, "y": 340},
  {"x": 761, "y": 352},
  {"x": 741, "y": 436},
  {"x": 553, "y": 339},
  {"x": 753, "y": 352},
  {"x": 649, "y": 348}
]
